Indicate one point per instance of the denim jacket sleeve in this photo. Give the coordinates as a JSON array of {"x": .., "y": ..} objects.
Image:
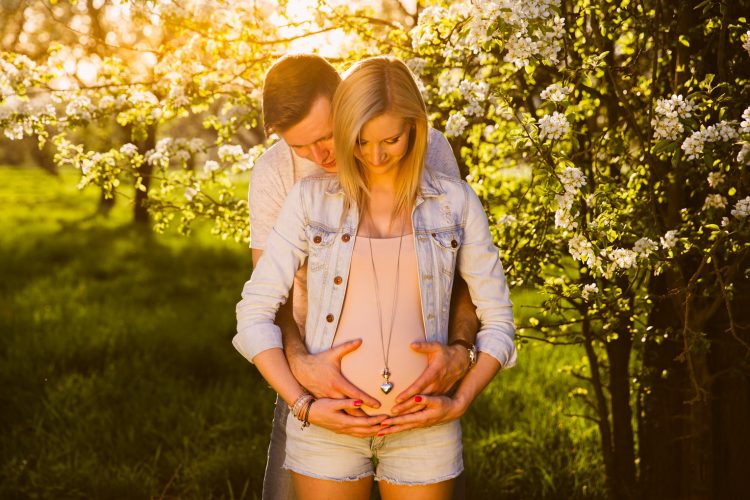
[
  {"x": 479, "y": 265},
  {"x": 272, "y": 278}
]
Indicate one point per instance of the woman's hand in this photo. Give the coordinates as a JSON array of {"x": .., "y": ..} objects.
[
  {"x": 427, "y": 412},
  {"x": 332, "y": 414}
]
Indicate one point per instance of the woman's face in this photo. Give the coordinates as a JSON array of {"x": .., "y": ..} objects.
[{"x": 383, "y": 142}]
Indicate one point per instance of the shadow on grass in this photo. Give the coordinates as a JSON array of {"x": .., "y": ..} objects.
[{"x": 117, "y": 372}]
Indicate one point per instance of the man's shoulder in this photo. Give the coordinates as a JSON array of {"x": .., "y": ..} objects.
[{"x": 275, "y": 161}]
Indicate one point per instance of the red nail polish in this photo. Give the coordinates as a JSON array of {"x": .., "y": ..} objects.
[
  {"x": 417, "y": 399},
  {"x": 358, "y": 403},
  {"x": 380, "y": 434}
]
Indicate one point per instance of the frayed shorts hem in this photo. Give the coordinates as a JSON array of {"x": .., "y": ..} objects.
[
  {"x": 326, "y": 478},
  {"x": 420, "y": 483}
]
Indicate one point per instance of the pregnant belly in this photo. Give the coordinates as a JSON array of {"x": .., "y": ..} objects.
[{"x": 364, "y": 367}]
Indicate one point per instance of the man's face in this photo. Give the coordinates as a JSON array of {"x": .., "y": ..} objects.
[{"x": 312, "y": 137}]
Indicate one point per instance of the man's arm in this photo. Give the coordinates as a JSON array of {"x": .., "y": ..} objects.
[{"x": 318, "y": 373}]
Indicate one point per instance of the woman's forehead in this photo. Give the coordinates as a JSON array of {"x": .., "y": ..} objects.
[{"x": 383, "y": 127}]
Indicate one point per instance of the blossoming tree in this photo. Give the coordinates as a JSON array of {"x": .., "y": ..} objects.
[{"x": 607, "y": 138}]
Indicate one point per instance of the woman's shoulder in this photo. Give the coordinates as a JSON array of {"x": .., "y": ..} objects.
[{"x": 439, "y": 181}]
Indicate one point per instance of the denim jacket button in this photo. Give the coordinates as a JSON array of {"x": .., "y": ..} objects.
[
  {"x": 329, "y": 318},
  {"x": 454, "y": 243},
  {"x": 337, "y": 280},
  {"x": 345, "y": 238},
  {"x": 317, "y": 239}
]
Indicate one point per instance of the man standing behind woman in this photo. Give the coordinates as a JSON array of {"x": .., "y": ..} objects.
[
  {"x": 397, "y": 232},
  {"x": 297, "y": 95}
]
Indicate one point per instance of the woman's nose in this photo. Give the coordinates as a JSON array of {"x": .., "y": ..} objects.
[{"x": 377, "y": 155}]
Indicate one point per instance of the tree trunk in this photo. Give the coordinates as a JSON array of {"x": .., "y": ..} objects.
[
  {"x": 140, "y": 209},
  {"x": 618, "y": 354}
]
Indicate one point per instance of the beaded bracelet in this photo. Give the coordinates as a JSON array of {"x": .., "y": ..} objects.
[
  {"x": 306, "y": 421},
  {"x": 300, "y": 403}
]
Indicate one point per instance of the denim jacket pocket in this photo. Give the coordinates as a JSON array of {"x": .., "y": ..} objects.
[
  {"x": 447, "y": 242},
  {"x": 320, "y": 242}
]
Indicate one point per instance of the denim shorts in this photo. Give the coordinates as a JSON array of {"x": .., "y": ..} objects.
[{"x": 414, "y": 457}]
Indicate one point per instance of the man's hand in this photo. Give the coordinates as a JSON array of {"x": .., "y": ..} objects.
[
  {"x": 446, "y": 365},
  {"x": 333, "y": 414},
  {"x": 431, "y": 410},
  {"x": 321, "y": 375}
]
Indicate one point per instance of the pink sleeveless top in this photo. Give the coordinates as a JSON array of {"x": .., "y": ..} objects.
[{"x": 359, "y": 319}]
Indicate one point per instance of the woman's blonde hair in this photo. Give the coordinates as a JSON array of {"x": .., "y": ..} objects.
[{"x": 370, "y": 88}]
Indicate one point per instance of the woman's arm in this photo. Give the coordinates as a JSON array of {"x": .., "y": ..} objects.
[{"x": 259, "y": 339}]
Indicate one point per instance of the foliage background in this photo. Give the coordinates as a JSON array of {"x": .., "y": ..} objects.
[{"x": 607, "y": 138}]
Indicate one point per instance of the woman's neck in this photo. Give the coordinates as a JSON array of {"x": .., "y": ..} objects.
[
  {"x": 383, "y": 183},
  {"x": 381, "y": 222}
]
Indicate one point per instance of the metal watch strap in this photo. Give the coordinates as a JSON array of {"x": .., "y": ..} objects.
[{"x": 469, "y": 347}]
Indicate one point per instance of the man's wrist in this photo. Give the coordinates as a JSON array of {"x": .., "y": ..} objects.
[{"x": 469, "y": 349}]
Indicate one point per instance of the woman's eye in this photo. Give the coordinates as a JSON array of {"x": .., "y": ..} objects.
[{"x": 392, "y": 141}]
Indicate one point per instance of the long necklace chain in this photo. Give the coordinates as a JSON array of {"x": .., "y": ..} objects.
[{"x": 387, "y": 385}]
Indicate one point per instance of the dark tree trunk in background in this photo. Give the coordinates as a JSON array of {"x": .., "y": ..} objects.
[
  {"x": 694, "y": 403},
  {"x": 140, "y": 210}
]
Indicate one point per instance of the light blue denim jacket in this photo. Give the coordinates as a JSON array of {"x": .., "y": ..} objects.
[{"x": 450, "y": 232}]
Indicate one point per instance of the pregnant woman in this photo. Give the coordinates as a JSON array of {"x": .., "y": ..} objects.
[{"x": 383, "y": 241}]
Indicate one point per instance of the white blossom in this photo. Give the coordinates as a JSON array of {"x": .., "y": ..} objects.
[
  {"x": 456, "y": 124},
  {"x": 475, "y": 94},
  {"x": 746, "y": 43},
  {"x": 164, "y": 144},
  {"x": 507, "y": 220},
  {"x": 741, "y": 209},
  {"x": 191, "y": 192},
  {"x": 555, "y": 93},
  {"x": 520, "y": 48},
  {"x": 416, "y": 65},
  {"x": 581, "y": 249},
  {"x": 589, "y": 291},
  {"x": 667, "y": 116},
  {"x": 79, "y": 108},
  {"x": 645, "y": 247},
  {"x": 554, "y": 126},
  {"x": 106, "y": 102},
  {"x": 722, "y": 131},
  {"x": 129, "y": 150},
  {"x": 572, "y": 179},
  {"x": 745, "y": 123},
  {"x": 196, "y": 145},
  {"x": 230, "y": 152},
  {"x": 211, "y": 166},
  {"x": 714, "y": 201},
  {"x": 715, "y": 179},
  {"x": 622, "y": 258},
  {"x": 564, "y": 219},
  {"x": 669, "y": 240},
  {"x": 743, "y": 156},
  {"x": 13, "y": 131}
]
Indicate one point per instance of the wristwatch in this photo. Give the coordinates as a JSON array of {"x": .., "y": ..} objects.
[{"x": 471, "y": 348}]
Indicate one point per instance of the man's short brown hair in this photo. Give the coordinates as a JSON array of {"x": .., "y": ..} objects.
[{"x": 292, "y": 85}]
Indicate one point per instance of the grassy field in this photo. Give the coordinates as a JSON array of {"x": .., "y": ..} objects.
[{"x": 118, "y": 379}]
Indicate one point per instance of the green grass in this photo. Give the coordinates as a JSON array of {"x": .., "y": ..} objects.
[{"x": 118, "y": 378}]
